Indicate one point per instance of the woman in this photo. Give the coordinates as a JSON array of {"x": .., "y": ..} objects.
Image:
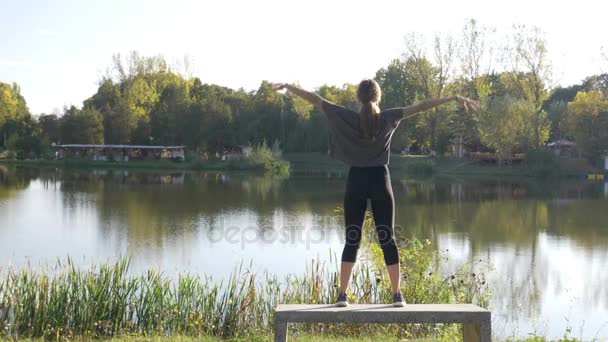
[{"x": 362, "y": 140}]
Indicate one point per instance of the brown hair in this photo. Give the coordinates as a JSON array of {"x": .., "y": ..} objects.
[{"x": 369, "y": 93}]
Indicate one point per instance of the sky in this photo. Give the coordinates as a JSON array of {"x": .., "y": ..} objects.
[{"x": 58, "y": 50}]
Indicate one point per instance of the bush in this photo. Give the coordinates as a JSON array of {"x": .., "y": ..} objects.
[
  {"x": 8, "y": 154},
  {"x": 421, "y": 166},
  {"x": 66, "y": 302},
  {"x": 542, "y": 162},
  {"x": 426, "y": 280},
  {"x": 192, "y": 156},
  {"x": 268, "y": 159}
]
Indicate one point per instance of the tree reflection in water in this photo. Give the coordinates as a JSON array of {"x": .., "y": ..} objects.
[{"x": 547, "y": 240}]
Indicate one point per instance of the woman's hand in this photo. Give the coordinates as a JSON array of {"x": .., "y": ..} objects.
[
  {"x": 278, "y": 86},
  {"x": 473, "y": 105},
  {"x": 313, "y": 98}
]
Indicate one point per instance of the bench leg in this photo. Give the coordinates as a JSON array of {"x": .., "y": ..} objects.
[
  {"x": 471, "y": 332},
  {"x": 476, "y": 332},
  {"x": 280, "y": 331}
]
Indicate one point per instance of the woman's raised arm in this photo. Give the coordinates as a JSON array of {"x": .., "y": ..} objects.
[
  {"x": 313, "y": 98},
  {"x": 405, "y": 112}
]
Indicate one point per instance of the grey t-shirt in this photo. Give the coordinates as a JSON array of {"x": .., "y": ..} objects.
[{"x": 346, "y": 141}]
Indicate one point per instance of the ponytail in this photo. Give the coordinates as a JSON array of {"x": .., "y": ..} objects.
[
  {"x": 369, "y": 120},
  {"x": 369, "y": 93}
]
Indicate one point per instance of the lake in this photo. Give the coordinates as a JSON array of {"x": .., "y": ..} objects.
[{"x": 547, "y": 240}]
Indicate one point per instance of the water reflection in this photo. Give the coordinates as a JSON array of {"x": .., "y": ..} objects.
[{"x": 546, "y": 240}]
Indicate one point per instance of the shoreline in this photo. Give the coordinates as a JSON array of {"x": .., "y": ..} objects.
[
  {"x": 315, "y": 163},
  {"x": 138, "y": 165},
  {"x": 426, "y": 167}
]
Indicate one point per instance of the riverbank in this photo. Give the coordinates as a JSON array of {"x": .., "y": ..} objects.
[
  {"x": 107, "y": 300},
  {"x": 252, "y": 338},
  {"x": 106, "y": 303},
  {"x": 316, "y": 163},
  {"x": 427, "y": 166},
  {"x": 279, "y": 167},
  {"x": 500, "y": 220},
  {"x": 292, "y": 337}
]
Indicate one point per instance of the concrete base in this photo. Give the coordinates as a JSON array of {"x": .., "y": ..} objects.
[{"x": 476, "y": 320}]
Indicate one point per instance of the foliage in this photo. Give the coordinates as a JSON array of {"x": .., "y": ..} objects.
[
  {"x": 143, "y": 100},
  {"x": 19, "y": 130},
  {"x": 82, "y": 126},
  {"x": 268, "y": 158},
  {"x": 596, "y": 82},
  {"x": 557, "y": 114},
  {"x": 12, "y": 104},
  {"x": 260, "y": 337},
  {"x": 395, "y": 82},
  {"x": 588, "y": 121},
  {"x": 50, "y": 127},
  {"x": 503, "y": 125},
  {"x": 543, "y": 162},
  {"x": 65, "y": 302},
  {"x": 421, "y": 166},
  {"x": 425, "y": 280}
]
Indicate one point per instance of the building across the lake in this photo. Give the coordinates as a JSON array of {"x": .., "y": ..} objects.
[
  {"x": 119, "y": 152},
  {"x": 563, "y": 148},
  {"x": 238, "y": 152}
]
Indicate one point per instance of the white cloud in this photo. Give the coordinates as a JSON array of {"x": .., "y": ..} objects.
[
  {"x": 49, "y": 33},
  {"x": 49, "y": 67}
]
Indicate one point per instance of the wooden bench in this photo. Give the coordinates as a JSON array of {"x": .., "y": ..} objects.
[{"x": 476, "y": 320}]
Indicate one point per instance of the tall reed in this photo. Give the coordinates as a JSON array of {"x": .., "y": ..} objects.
[{"x": 66, "y": 301}]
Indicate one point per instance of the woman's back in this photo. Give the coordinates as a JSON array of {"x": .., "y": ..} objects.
[{"x": 347, "y": 141}]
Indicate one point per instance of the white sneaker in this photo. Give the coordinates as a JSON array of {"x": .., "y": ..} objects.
[
  {"x": 398, "y": 300},
  {"x": 342, "y": 300}
]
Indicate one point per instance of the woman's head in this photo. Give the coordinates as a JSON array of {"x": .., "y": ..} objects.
[{"x": 369, "y": 93}]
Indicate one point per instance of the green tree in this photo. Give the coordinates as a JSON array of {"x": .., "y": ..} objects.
[
  {"x": 502, "y": 124},
  {"x": 265, "y": 120},
  {"x": 475, "y": 80},
  {"x": 14, "y": 114},
  {"x": 398, "y": 90},
  {"x": 431, "y": 77},
  {"x": 556, "y": 107},
  {"x": 110, "y": 102},
  {"x": 588, "y": 122},
  {"x": 529, "y": 73},
  {"x": 217, "y": 122},
  {"x": 597, "y": 83},
  {"x": 128, "y": 95},
  {"x": 50, "y": 126},
  {"x": 9, "y": 102},
  {"x": 168, "y": 119},
  {"x": 475, "y": 59},
  {"x": 345, "y": 96},
  {"x": 82, "y": 126},
  {"x": 19, "y": 131}
]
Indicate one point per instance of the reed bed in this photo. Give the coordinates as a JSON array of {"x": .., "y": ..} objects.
[{"x": 65, "y": 301}]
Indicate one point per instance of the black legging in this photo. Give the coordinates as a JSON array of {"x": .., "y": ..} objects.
[{"x": 373, "y": 182}]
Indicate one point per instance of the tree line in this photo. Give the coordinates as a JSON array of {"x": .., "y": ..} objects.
[{"x": 142, "y": 100}]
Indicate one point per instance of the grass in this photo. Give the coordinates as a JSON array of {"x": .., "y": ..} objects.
[
  {"x": 211, "y": 165},
  {"x": 296, "y": 338},
  {"x": 103, "y": 301},
  {"x": 425, "y": 166},
  {"x": 269, "y": 338},
  {"x": 315, "y": 163},
  {"x": 137, "y": 164},
  {"x": 263, "y": 158},
  {"x": 412, "y": 165},
  {"x": 106, "y": 302}
]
